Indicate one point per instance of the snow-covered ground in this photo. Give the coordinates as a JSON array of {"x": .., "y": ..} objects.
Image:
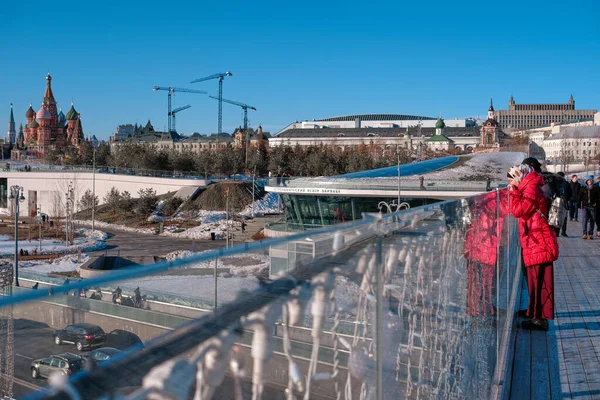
[
  {"x": 202, "y": 231},
  {"x": 493, "y": 165},
  {"x": 89, "y": 242},
  {"x": 247, "y": 263},
  {"x": 269, "y": 204},
  {"x": 66, "y": 263},
  {"x": 100, "y": 224},
  {"x": 475, "y": 167}
]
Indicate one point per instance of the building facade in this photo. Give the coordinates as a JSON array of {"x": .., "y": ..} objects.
[
  {"x": 573, "y": 144},
  {"x": 440, "y": 142},
  {"x": 490, "y": 129},
  {"x": 123, "y": 132},
  {"x": 377, "y": 121},
  {"x": 526, "y": 116}
]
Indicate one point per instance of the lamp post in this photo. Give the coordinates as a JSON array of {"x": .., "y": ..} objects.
[
  {"x": 93, "y": 189},
  {"x": 69, "y": 206},
  {"x": 227, "y": 217},
  {"x": 398, "y": 180},
  {"x": 253, "y": 189},
  {"x": 16, "y": 194}
]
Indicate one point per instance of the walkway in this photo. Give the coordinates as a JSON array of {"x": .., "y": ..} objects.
[{"x": 564, "y": 363}]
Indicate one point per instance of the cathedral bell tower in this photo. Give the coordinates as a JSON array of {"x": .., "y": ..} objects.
[{"x": 490, "y": 130}]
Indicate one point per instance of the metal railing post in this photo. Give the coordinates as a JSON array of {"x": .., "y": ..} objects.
[{"x": 379, "y": 313}]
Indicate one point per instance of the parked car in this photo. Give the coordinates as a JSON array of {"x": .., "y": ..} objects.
[
  {"x": 65, "y": 364},
  {"x": 81, "y": 335},
  {"x": 101, "y": 354},
  {"x": 122, "y": 340}
]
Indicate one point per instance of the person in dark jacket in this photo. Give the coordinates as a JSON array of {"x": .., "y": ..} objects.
[
  {"x": 598, "y": 208},
  {"x": 565, "y": 193},
  {"x": 575, "y": 189},
  {"x": 588, "y": 199}
]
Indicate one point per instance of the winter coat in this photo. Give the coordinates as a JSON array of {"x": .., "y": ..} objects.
[
  {"x": 538, "y": 239},
  {"x": 575, "y": 189},
  {"x": 565, "y": 190},
  {"x": 588, "y": 197},
  {"x": 481, "y": 239}
]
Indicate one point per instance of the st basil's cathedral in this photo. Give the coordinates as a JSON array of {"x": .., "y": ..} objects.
[{"x": 47, "y": 127}]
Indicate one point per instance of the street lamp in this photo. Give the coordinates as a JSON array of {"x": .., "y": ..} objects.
[
  {"x": 68, "y": 217},
  {"x": 93, "y": 189},
  {"x": 16, "y": 194}
]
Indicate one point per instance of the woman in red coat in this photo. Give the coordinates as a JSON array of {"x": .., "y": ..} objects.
[
  {"x": 481, "y": 250},
  {"x": 538, "y": 241}
]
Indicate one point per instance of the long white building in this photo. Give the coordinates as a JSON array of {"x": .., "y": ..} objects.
[{"x": 377, "y": 121}]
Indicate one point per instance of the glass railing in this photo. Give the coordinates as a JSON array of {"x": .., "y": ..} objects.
[
  {"x": 386, "y": 184},
  {"x": 415, "y": 304},
  {"x": 122, "y": 171}
]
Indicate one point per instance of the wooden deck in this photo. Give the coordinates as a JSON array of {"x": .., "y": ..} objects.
[{"x": 564, "y": 363}]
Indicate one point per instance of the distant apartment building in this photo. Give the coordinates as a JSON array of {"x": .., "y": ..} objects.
[
  {"x": 573, "y": 143},
  {"x": 123, "y": 132},
  {"x": 527, "y": 116}
]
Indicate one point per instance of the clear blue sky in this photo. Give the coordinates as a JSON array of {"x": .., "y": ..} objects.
[{"x": 295, "y": 60}]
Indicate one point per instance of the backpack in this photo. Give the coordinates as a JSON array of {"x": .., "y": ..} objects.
[
  {"x": 557, "y": 212},
  {"x": 558, "y": 203}
]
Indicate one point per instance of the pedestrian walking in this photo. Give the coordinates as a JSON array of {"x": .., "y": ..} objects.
[
  {"x": 597, "y": 184},
  {"x": 575, "y": 189},
  {"x": 565, "y": 193},
  {"x": 588, "y": 201},
  {"x": 538, "y": 242},
  {"x": 243, "y": 226}
]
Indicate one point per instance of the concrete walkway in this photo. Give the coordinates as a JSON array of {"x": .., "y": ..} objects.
[{"x": 564, "y": 363}]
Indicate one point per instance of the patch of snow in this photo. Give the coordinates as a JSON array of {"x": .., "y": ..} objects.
[
  {"x": 88, "y": 242},
  {"x": 62, "y": 264},
  {"x": 238, "y": 264},
  {"x": 145, "y": 231},
  {"x": 192, "y": 287},
  {"x": 493, "y": 165},
  {"x": 202, "y": 231},
  {"x": 208, "y": 217},
  {"x": 269, "y": 204}
]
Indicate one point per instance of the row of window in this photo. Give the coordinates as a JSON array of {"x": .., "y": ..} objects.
[
  {"x": 577, "y": 152},
  {"x": 569, "y": 144}
]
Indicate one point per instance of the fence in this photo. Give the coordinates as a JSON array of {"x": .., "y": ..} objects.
[{"x": 415, "y": 304}]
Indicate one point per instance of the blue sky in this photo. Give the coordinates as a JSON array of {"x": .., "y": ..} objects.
[{"x": 296, "y": 60}]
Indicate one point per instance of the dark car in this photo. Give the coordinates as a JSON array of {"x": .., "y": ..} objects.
[
  {"x": 65, "y": 364},
  {"x": 82, "y": 335},
  {"x": 101, "y": 354},
  {"x": 122, "y": 340}
]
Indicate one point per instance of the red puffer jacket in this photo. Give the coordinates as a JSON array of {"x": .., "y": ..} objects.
[
  {"x": 481, "y": 239},
  {"x": 538, "y": 239}
]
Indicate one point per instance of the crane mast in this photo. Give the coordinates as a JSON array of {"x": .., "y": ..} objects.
[
  {"x": 220, "y": 77},
  {"x": 170, "y": 90},
  {"x": 175, "y": 111}
]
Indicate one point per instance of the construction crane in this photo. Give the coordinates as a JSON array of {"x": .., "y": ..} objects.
[
  {"x": 175, "y": 111},
  {"x": 170, "y": 90},
  {"x": 219, "y": 76},
  {"x": 245, "y": 107}
]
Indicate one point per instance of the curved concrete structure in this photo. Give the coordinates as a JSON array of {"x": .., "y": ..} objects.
[{"x": 47, "y": 189}]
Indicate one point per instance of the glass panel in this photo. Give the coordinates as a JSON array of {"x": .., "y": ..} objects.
[{"x": 414, "y": 304}]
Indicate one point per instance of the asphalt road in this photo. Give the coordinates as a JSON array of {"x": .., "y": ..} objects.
[
  {"x": 33, "y": 340},
  {"x": 136, "y": 244}
]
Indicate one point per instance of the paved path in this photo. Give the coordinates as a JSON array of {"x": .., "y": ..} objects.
[
  {"x": 564, "y": 363},
  {"x": 138, "y": 244}
]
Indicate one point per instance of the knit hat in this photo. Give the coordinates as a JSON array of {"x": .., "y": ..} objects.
[
  {"x": 533, "y": 163},
  {"x": 589, "y": 178},
  {"x": 518, "y": 172}
]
